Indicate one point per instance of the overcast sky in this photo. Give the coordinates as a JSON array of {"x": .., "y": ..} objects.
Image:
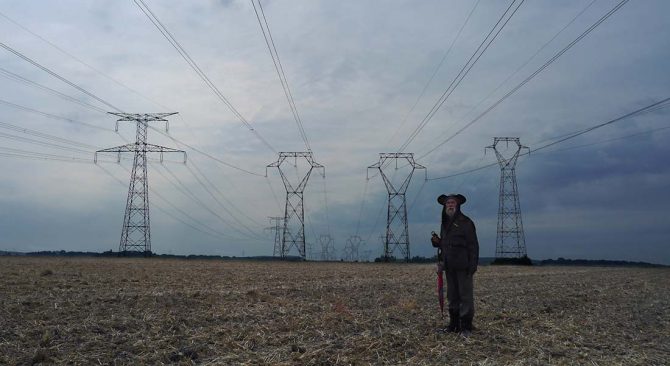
[{"x": 364, "y": 76}]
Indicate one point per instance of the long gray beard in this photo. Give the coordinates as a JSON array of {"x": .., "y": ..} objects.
[{"x": 451, "y": 213}]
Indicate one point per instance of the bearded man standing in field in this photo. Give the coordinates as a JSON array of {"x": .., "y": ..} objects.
[{"x": 458, "y": 241}]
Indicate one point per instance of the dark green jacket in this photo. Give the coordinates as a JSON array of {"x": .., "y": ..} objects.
[{"x": 459, "y": 242}]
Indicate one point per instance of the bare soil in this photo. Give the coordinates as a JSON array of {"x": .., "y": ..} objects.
[{"x": 118, "y": 311}]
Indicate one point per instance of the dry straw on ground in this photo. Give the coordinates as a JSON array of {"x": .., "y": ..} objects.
[{"x": 151, "y": 311}]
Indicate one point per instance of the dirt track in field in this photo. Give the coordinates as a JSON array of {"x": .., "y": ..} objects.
[{"x": 155, "y": 311}]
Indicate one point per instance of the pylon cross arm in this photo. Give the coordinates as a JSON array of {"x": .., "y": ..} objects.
[
  {"x": 162, "y": 150},
  {"x": 143, "y": 116},
  {"x": 118, "y": 149}
]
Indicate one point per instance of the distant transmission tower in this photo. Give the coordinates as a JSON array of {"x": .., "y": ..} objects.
[
  {"x": 510, "y": 239},
  {"x": 277, "y": 230},
  {"x": 327, "y": 247},
  {"x": 397, "y": 232},
  {"x": 294, "y": 212},
  {"x": 136, "y": 233},
  {"x": 351, "y": 250}
]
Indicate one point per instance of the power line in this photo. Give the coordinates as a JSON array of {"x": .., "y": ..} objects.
[
  {"x": 20, "y": 79},
  {"x": 177, "y": 46},
  {"x": 52, "y": 73},
  {"x": 538, "y": 71},
  {"x": 649, "y": 108},
  {"x": 280, "y": 70},
  {"x": 52, "y": 116},
  {"x": 188, "y": 193},
  {"x": 61, "y": 50},
  {"x": 437, "y": 68},
  {"x": 25, "y": 154},
  {"x": 224, "y": 207},
  {"x": 43, "y": 135},
  {"x": 488, "y": 40},
  {"x": 214, "y": 187},
  {"x": 653, "y": 106},
  {"x": 17, "y": 106},
  {"x": 213, "y": 232},
  {"x": 206, "y": 154},
  {"x": 274, "y": 195},
  {"x": 43, "y": 143},
  {"x": 17, "y": 77},
  {"x": 647, "y": 132},
  {"x": 523, "y": 65}
]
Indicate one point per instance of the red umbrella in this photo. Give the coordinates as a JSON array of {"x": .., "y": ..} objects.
[
  {"x": 440, "y": 279},
  {"x": 440, "y": 290}
]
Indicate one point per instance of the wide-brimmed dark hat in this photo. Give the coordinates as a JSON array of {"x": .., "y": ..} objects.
[{"x": 442, "y": 199}]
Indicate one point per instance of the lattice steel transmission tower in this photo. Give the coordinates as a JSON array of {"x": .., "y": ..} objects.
[
  {"x": 136, "y": 232},
  {"x": 277, "y": 229},
  {"x": 327, "y": 247},
  {"x": 294, "y": 212},
  {"x": 397, "y": 232},
  {"x": 510, "y": 239},
  {"x": 351, "y": 250}
]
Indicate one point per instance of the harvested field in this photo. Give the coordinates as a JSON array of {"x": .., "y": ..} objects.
[{"x": 153, "y": 311}]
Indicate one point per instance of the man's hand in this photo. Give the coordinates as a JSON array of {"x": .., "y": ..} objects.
[{"x": 435, "y": 240}]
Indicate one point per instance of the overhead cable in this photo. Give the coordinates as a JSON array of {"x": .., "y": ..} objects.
[
  {"x": 206, "y": 154},
  {"x": 59, "y": 49},
  {"x": 213, "y": 232},
  {"x": 649, "y": 108},
  {"x": 25, "y": 154},
  {"x": 151, "y": 127},
  {"x": 43, "y": 135},
  {"x": 52, "y": 116},
  {"x": 177, "y": 46},
  {"x": 531, "y": 76},
  {"x": 437, "y": 68},
  {"x": 43, "y": 143},
  {"x": 12, "y": 76},
  {"x": 483, "y": 46},
  {"x": 52, "y": 73},
  {"x": 217, "y": 190},
  {"x": 189, "y": 193},
  {"x": 522, "y": 66},
  {"x": 280, "y": 70},
  {"x": 253, "y": 234}
]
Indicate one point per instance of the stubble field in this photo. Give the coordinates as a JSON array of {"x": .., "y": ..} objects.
[{"x": 153, "y": 311}]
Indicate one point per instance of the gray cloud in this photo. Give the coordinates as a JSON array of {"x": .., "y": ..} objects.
[{"x": 355, "y": 70}]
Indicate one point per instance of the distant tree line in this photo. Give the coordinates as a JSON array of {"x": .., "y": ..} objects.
[
  {"x": 595, "y": 262},
  {"x": 380, "y": 259},
  {"x": 110, "y": 253},
  {"x": 415, "y": 259}
]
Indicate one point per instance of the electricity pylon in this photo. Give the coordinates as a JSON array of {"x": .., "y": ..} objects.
[
  {"x": 351, "y": 249},
  {"x": 510, "y": 239},
  {"x": 136, "y": 232},
  {"x": 397, "y": 232},
  {"x": 294, "y": 211},
  {"x": 327, "y": 247},
  {"x": 276, "y": 228}
]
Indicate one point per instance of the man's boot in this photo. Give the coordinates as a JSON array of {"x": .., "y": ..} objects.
[
  {"x": 466, "y": 327},
  {"x": 454, "y": 322}
]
